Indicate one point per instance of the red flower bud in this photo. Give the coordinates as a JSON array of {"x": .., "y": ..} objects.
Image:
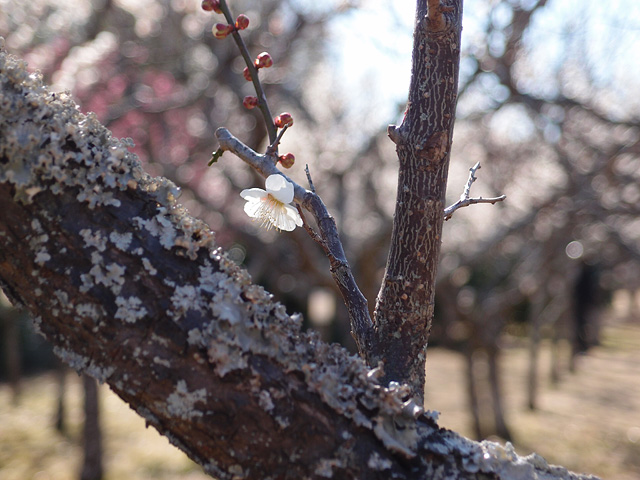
[
  {"x": 221, "y": 30},
  {"x": 263, "y": 61},
  {"x": 283, "y": 119},
  {"x": 211, "y": 5},
  {"x": 246, "y": 74},
  {"x": 242, "y": 22},
  {"x": 250, "y": 102},
  {"x": 287, "y": 160}
]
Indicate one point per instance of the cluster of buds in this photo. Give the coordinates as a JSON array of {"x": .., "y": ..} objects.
[
  {"x": 211, "y": 5},
  {"x": 287, "y": 160},
  {"x": 264, "y": 60},
  {"x": 283, "y": 120},
  {"x": 222, "y": 30}
]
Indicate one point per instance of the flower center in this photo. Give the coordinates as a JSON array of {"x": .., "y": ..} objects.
[{"x": 269, "y": 210}]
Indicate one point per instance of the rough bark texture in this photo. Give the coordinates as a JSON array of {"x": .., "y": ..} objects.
[
  {"x": 134, "y": 292},
  {"x": 423, "y": 142}
]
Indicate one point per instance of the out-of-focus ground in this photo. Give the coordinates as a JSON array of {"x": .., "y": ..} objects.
[{"x": 589, "y": 422}]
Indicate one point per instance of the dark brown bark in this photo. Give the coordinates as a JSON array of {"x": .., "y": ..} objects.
[
  {"x": 134, "y": 292},
  {"x": 404, "y": 309}
]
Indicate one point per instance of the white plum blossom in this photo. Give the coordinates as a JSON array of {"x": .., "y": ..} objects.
[{"x": 272, "y": 207}]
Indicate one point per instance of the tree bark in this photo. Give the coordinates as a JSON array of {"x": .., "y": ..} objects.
[
  {"x": 404, "y": 308},
  {"x": 133, "y": 291}
]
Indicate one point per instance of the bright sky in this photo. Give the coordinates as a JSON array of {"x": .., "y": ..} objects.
[{"x": 605, "y": 36}]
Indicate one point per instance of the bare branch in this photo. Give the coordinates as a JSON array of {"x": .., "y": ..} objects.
[
  {"x": 361, "y": 324},
  {"x": 306, "y": 170},
  {"x": 465, "y": 199},
  {"x": 262, "y": 97},
  {"x": 272, "y": 149}
]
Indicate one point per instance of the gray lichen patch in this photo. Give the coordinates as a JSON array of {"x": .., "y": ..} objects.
[
  {"x": 121, "y": 240},
  {"x": 181, "y": 403},
  {"x": 94, "y": 239},
  {"x": 130, "y": 309},
  {"x": 84, "y": 364}
]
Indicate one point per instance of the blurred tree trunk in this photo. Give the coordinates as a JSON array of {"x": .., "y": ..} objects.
[
  {"x": 92, "y": 434},
  {"x": 59, "y": 417},
  {"x": 11, "y": 322},
  {"x": 500, "y": 424},
  {"x": 472, "y": 395},
  {"x": 535, "y": 317}
]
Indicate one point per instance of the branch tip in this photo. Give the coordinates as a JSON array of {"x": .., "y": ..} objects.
[{"x": 465, "y": 199}]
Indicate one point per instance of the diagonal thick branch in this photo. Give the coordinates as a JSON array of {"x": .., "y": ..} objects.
[{"x": 356, "y": 303}]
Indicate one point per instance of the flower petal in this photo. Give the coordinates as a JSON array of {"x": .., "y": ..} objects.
[
  {"x": 254, "y": 208},
  {"x": 285, "y": 217},
  {"x": 255, "y": 193},
  {"x": 282, "y": 219},
  {"x": 280, "y": 188}
]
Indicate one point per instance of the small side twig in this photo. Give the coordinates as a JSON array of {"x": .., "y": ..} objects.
[
  {"x": 272, "y": 149},
  {"x": 306, "y": 170},
  {"x": 316, "y": 238},
  {"x": 465, "y": 199}
]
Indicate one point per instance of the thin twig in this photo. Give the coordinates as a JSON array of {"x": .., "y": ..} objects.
[
  {"x": 272, "y": 149},
  {"x": 306, "y": 170},
  {"x": 465, "y": 199},
  {"x": 314, "y": 235},
  {"x": 244, "y": 51}
]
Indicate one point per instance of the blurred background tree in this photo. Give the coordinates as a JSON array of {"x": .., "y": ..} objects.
[{"x": 548, "y": 103}]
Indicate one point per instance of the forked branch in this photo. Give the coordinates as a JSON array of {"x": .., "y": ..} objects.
[
  {"x": 355, "y": 301},
  {"x": 466, "y": 200}
]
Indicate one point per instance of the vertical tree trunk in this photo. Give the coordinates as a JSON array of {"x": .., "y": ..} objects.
[
  {"x": 500, "y": 424},
  {"x": 59, "y": 417},
  {"x": 92, "y": 436},
  {"x": 11, "y": 322},
  {"x": 404, "y": 308},
  {"x": 472, "y": 395},
  {"x": 554, "y": 369},
  {"x": 535, "y": 320}
]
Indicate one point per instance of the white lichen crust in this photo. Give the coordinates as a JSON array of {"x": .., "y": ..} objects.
[{"x": 146, "y": 302}]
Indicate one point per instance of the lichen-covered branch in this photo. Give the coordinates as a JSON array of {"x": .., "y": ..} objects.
[
  {"x": 133, "y": 291},
  {"x": 361, "y": 325}
]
